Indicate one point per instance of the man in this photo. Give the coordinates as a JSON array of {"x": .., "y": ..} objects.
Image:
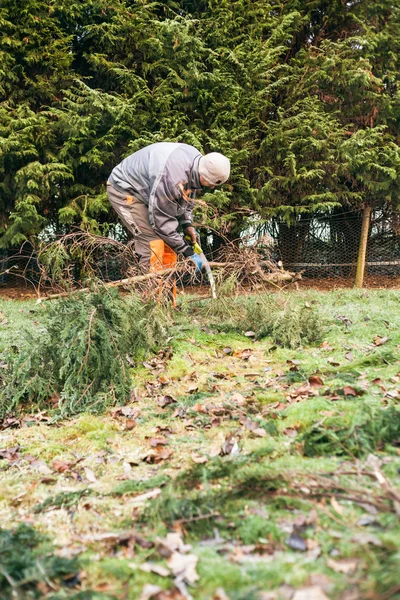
[{"x": 152, "y": 191}]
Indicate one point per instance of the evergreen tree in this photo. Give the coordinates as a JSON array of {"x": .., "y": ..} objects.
[{"x": 302, "y": 95}]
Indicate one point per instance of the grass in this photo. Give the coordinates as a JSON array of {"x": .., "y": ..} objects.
[{"x": 313, "y": 461}]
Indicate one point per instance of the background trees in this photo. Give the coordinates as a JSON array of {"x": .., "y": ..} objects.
[{"x": 301, "y": 95}]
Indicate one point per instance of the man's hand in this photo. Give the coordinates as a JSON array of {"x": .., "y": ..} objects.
[
  {"x": 197, "y": 261},
  {"x": 192, "y": 233}
]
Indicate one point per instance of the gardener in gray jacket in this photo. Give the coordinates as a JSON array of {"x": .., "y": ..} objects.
[{"x": 153, "y": 190}]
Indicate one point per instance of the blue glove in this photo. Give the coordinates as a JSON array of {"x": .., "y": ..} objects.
[{"x": 198, "y": 261}]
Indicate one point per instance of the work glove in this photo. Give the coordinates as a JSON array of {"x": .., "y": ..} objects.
[
  {"x": 191, "y": 234},
  {"x": 197, "y": 261}
]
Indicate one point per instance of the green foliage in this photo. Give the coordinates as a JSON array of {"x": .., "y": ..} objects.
[
  {"x": 27, "y": 559},
  {"x": 302, "y": 96},
  {"x": 132, "y": 486},
  {"x": 62, "y": 500},
  {"x": 289, "y": 322},
  {"x": 368, "y": 429},
  {"x": 223, "y": 484},
  {"x": 78, "y": 359}
]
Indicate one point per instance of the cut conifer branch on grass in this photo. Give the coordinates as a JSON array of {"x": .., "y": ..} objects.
[{"x": 275, "y": 277}]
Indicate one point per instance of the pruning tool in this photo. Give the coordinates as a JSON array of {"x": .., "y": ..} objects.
[{"x": 198, "y": 250}]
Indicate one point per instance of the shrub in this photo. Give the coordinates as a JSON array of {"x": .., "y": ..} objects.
[
  {"x": 80, "y": 356},
  {"x": 369, "y": 428}
]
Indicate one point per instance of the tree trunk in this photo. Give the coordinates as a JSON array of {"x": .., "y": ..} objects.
[{"x": 362, "y": 251}]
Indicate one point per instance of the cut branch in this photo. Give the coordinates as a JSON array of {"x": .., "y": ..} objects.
[{"x": 273, "y": 278}]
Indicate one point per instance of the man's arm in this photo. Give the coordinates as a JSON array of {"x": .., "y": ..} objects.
[{"x": 163, "y": 217}]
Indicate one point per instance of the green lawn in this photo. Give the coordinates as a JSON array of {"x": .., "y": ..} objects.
[{"x": 279, "y": 467}]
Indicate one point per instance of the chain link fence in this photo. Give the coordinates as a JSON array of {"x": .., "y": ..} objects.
[{"x": 319, "y": 246}]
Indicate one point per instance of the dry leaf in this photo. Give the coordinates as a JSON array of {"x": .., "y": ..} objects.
[
  {"x": 164, "y": 401},
  {"x": 379, "y": 341},
  {"x": 349, "y": 391},
  {"x": 259, "y": 432},
  {"x": 366, "y": 538},
  {"x": 336, "y": 506},
  {"x": 90, "y": 476},
  {"x": 326, "y": 345},
  {"x": 183, "y": 566},
  {"x": 158, "y": 441},
  {"x": 238, "y": 399},
  {"x": 150, "y": 567},
  {"x": 315, "y": 381},
  {"x": 346, "y": 566},
  {"x": 197, "y": 458},
  {"x": 158, "y": 454},
  {"x": 230, "y": 446},
  {"x": 146, "y": 496},
  {"x": 41, "y": 467},
  {"x": 310, "y": 593},
  {"x": 60, "y": 466},
  {"x": 150, "y": 591}
]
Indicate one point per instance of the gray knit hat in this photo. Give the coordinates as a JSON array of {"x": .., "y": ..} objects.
[{"x": 215, "y": 168}]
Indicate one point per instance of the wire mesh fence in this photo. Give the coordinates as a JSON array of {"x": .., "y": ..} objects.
[
  {"x": 319, "y": 246},
  {"x": 328, "y": 245}
]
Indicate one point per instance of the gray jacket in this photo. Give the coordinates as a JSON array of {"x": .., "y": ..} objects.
[{"x": 162, "y": 175}]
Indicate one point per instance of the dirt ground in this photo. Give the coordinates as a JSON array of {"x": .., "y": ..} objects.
[{"x": 24, "y": 291}]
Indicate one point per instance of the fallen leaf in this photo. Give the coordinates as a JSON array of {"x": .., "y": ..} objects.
[
  {"x": 150, "y": 591},
  {"x": 366, "y": 538},
  {"x": 41, "y": 467},
  {"x": 259, "y": 432},
  {"x": 90, "y": 476},
  {"x": 290, "y": 432},
  {"x": 127, "y": 468},
  {"x": 60, "y": 466},
  {"x": 336, "y": 506},
  {"x": 349, "y": 391},
  {"x": 349, "y": 356},
  {"x": 197, "y": 458},
  {"x": 11, "y": 453},
  {"x": 192, "y": 387},
  {"x": 150, "y": 567},
  {"x": 158, "y": 441},
  {"x": 130, "y": 424},
  {"x": 128, "y": 411},
  {"x": 326, "y": 345},
  {"x": 379, "y": 341},
  {"x": 157, "y": 455},
  {"x": 295, "y": 542},
  {"x": 333, "y": 363},
  {"x": 315, "y": 381},
  {"x": 146, "y": 496},
  {"x": 250, "y": 334},
  {"x": 183, "y": 566},
  {"x": 245, "y": 354},
  {"x": 346, "y": 566},
  {"x": 172, "y": 543},
  {"x": 238, "y": 399},
  {"x": 230, "y": 446},
  {"x": 220, "y": 594},
  {"x": 310, "y": 593},
  {"x": 164, "y": 401}
]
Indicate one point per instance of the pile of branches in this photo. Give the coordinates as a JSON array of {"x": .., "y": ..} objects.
[{"x": 78, "y": 258}]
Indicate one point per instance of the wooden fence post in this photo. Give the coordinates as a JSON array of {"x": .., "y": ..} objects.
[{"x": 362, "y": 250}]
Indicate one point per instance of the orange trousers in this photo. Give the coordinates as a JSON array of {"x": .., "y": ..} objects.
[{"x": 163, "y": 257}]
